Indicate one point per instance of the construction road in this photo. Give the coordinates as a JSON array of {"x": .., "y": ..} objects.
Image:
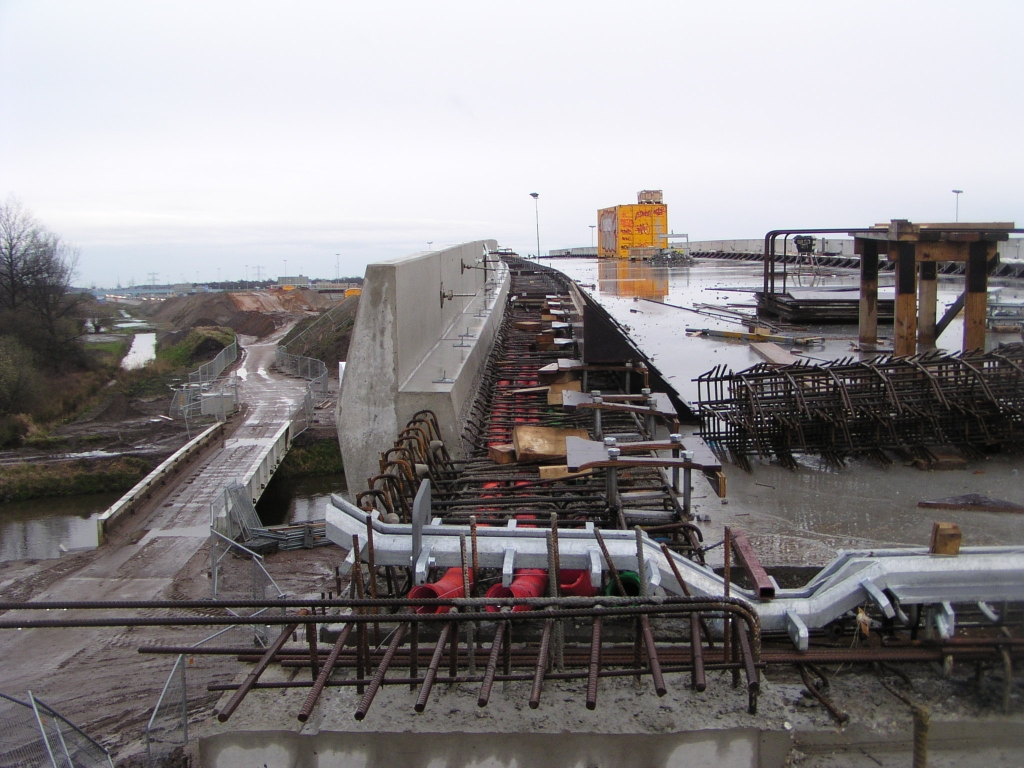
[{"x": 95, "y": 676}]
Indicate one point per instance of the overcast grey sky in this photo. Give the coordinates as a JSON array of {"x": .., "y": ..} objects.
[{"x": 183, "y": 137}]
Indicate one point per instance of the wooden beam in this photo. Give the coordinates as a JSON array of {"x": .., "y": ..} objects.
[
  {"x": 905, "y": 330},
  {"x": 868, "y": 331},
  {"x": 927, "y": 293},
  {"x": 976, "y": 299}
]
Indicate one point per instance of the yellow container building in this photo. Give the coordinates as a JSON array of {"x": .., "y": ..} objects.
[{"x": 622, "y": 228}]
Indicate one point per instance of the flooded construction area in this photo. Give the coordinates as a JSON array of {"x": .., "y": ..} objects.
[{"x": 803, "y": 515}]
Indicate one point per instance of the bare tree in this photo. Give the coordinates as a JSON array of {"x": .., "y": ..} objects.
[
  {"x": 36, "y": 302},
  {"x": 20, "y": 235}
]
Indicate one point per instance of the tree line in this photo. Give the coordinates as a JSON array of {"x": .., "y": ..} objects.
[{"x": 39, "y": 327}]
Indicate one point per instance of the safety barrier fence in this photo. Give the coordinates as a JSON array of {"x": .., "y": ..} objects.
[
  {"x": 187, "y": 402},
  {"x": 309, "y": 368},
  {"x": 34, "y": 734}
]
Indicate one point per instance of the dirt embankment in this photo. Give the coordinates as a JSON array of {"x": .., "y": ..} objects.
[
  {"x": 326, "y": 340},
  {"x": 252, "y": 314}
]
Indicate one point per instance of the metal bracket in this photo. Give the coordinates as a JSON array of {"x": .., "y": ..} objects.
[
  {"x": 596, "y": 567},
  {"x": 990, "y": 614},
  {"x": 943, "y": 619},
  {"x": 878, "y": 598},
  {"x": 422, "y": 566},
  {"x": 420, "y": 517},
  {"x": 508, "y": 566},
  {"x": 797, "y": 631}
]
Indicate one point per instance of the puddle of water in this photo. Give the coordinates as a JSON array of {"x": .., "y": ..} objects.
[
  {"x": 143, "y": 350},
  {"x": 37, "y": 529},
  {"x": 298, "y": 501}
]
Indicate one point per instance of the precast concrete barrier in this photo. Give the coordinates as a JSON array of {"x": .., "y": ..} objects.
[
  {"x": 143, "y": 490},
  {"x": 421, "y": 339}
]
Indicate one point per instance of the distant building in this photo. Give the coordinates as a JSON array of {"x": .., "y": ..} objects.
[
  {"x": 293, "y": 281},
  {"x": 624, "y": 228}
]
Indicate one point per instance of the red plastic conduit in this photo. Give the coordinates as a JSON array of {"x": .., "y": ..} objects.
[
  {"x": 526, "y": 582},
  {"x": 572, "y": 583},
  {"x": 449, "y": 586}
]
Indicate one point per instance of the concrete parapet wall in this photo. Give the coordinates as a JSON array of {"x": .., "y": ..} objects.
[{"x": 411, "y": 350}]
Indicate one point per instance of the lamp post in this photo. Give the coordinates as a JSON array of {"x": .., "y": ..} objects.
[
  {"x": 536, "y": 214},
  {"x": 592, "y": 228},
  {"x": 337, "y": 267},
  {"x": 957, "y": 192}
]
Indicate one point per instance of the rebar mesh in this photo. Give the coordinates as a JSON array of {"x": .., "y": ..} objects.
[{"x": 971, "y": 400}]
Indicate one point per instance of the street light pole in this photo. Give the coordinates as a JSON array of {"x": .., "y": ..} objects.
[
  {"x": 957, "y": 192},
  {"x": 337, "y": 267},
  {"x": 592, "y": 228},
  {"x": 536, "y": 214}
]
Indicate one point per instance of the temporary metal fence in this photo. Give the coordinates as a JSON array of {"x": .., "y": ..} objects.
[
  {"x": 315, "y": 371},
  {"x": 168, "y": 726},
  {"x": 243, "y": 575},
  {"x": 187, "y": 402},
  {"x": 211, "y": 370},
  {"x": 34, "y": 734}
]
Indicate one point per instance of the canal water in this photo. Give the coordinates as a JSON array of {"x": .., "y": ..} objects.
[
  {"x": 142, "y": 351},
  {"x": 41, "y": 529},
  {"x": 298, "y": 501}
]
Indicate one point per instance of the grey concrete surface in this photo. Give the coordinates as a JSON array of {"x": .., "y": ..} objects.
[
  {"x": 411, "y": 351},
  {"x": 739, "y": 748}
]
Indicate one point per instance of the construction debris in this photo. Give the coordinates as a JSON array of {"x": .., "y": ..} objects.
[{"x": 973, "y": 502}]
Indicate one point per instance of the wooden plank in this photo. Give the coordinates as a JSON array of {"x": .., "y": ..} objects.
[
  {"x": 773, "y": 353},
  {"x": 945, "y": 539},
  {"x": 531, "y": 390},
  {"x": 502, "y": 454},
  {"x": 561, "y": 471},
  {"x": 555, "y": 391},
  {"x": 532, "y": 326},
  {"x": 542, "y": 443},
  {"x": 973, "y": 502}
]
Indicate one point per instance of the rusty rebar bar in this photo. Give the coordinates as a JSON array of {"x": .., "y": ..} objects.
[
  {"x": 492, "y": 666},
  {"x": 382, "y": 669},
  {"x": 542, "y": 665},
  {"x": 652, "y": 657},
  {"x": 435, "y": 662},
  {"x": 595, "y": 663},
  {"x": 325, "y": 674},
  {"x": 254, "y": 676}
]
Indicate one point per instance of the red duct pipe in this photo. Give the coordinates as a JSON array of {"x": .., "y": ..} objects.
[
  {"x": 572, "y": 583},
  {"x": 526, "y": 582},
  {"x": 449, "y": 586}
]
